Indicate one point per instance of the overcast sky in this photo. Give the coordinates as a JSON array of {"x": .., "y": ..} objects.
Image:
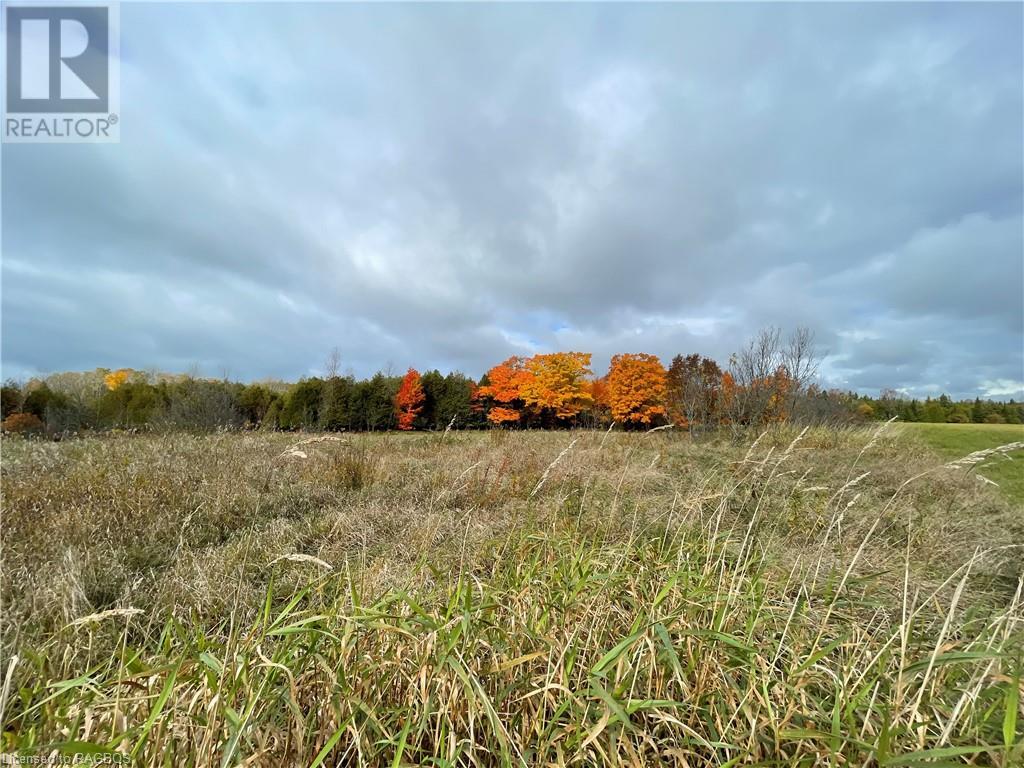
[{"x": 447, "y": 185}]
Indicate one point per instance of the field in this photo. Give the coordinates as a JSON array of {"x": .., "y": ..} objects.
[
  {"x": 819, "y": 597},
  {"x": 955, "y": 440}
]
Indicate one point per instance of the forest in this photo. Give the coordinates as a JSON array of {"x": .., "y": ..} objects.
[{"x": 772, "y": 379}]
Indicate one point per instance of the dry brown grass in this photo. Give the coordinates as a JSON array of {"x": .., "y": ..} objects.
[{"x": 821, "y": 597}]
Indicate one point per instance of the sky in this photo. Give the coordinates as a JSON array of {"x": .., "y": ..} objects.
[{"x": 449, "y": 185}]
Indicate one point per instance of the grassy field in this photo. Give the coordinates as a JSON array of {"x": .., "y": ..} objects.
[
  {"x": 955, "y": 440},
  {"x": 827, "y": 597}
]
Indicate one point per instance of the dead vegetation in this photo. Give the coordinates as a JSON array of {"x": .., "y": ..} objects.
[{"x": 818, "y": 597}]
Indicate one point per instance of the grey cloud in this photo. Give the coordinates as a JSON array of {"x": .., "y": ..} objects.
[{"x": 448, "y": 185}]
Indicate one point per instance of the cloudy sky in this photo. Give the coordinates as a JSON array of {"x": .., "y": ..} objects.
[{"x": 448, "y": 185}]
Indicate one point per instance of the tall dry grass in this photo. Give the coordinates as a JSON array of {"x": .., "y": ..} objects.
[{"x": 822, "y": 597}]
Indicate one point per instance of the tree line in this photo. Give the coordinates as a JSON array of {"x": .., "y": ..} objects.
[
  {"x": 128, "y": 399},
  {"x": 940, "y": 410},
  {"x": 771, "y": 379}
]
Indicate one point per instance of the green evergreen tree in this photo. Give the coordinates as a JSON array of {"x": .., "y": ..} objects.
[
  {"x": 335, "y": 411},
  {"x": 302, "y": 405}
]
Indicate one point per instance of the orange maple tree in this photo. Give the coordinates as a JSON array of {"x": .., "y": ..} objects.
[
  {"x": 503, "y": 390},
  {"x": 409, "y": 399},
  {"x": 635, "y": 388},
  {"x": 500, "y": 415},
  {"x": 558, "y": 384}
]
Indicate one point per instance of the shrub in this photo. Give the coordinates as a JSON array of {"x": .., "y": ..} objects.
[{"x": 22, "y": 424}]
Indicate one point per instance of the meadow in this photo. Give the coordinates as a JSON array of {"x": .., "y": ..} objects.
[
  {"x": 799, "y": 598},
  {"x": 955, "y": 440}
]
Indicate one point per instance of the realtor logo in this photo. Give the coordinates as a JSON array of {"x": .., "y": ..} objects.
[{"x": 61, "y": 76}]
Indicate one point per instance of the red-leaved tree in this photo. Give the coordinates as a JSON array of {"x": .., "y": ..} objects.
[{"x": 409, "y": 399}]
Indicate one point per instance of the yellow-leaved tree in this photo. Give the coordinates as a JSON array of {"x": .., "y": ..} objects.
[
  {"x": 558, "y": 385},
  {"x": 115, "y": 379}
]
